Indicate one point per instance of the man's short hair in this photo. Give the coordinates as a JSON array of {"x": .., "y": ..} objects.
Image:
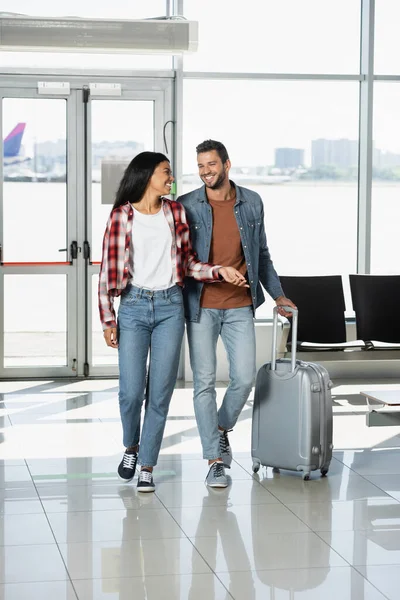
[{"x": 209, "y": 145}]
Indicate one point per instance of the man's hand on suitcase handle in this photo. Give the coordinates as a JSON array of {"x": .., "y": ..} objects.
[{"x": 283, "y": 301}]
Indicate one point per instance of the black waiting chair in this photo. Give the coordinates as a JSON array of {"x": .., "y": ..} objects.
[
  {"x": 376, "y": 300},
  {"x": 320, "y": 300}
]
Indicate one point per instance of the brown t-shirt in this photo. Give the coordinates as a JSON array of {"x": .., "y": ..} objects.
[{"x": 226, "y": 249}]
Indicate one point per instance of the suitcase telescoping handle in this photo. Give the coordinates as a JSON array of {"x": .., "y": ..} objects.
[{"x": 295, "y": 316}]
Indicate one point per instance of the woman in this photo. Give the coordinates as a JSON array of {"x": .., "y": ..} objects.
[{"x": 146, "y": 255}]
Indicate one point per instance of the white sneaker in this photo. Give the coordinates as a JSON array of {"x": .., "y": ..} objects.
[{"x": 216, "y": 477}]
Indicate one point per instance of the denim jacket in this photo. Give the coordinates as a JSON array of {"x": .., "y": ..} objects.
[{"x": 249, "y": 213}]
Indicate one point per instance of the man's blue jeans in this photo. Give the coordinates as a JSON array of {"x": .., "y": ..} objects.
[
  {"x": 148, "y": 321},
  {"x": 236, "y": 328}
]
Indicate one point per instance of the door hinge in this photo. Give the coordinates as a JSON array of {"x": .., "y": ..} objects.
[
  {"x": 105, "y": 89},
  {"x": 61, "y": 88}
]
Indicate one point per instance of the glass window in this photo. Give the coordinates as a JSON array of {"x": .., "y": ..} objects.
[
  {"x": 118, "y": 9},
  {"x": 35, "y": 320},
  {"x": 385, "y": 240},
  {"x": 35, "y": 186},
  {"x": 295, "y": 143},
  {"x": 317, "y": 36},
  {"x": 387, "y": 42},
  {"x": 120, "y": 130}
]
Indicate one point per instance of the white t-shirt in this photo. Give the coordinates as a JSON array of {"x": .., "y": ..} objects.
[{"x": 151, "y": 241}]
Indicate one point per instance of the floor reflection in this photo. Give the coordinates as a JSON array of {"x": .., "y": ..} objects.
[{"x": 70, "y": 530}]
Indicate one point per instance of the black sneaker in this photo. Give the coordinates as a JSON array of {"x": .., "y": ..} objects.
[
  {"x": 145, "y": 482},
  {"x": 127, "y": 466},
  {"x": 225, "y": 448}
]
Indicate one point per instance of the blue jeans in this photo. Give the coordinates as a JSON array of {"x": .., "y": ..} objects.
[
  {"x": 148, "y": 322},
  {"x": 236, "y": 328}
]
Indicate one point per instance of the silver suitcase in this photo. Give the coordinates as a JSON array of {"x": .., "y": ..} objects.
[{"x": 292, "y": 413}]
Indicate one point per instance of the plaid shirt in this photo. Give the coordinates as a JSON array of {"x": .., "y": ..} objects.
[{"x": 114, "y": 270}]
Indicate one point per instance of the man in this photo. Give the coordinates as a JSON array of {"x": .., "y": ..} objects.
[{"x": 227, "y": 227}]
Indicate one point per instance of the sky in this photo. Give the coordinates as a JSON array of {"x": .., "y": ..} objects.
[
  {"x": 111, "y": 121},
  {"x": 251, "y": 117}
]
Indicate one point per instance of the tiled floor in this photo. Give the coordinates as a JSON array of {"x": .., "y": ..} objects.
[{"x": 70, "y": 530}]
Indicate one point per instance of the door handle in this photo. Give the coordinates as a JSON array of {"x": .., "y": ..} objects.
[
  {"x": 86, "y": 250},
  {"x": 73, "y": 250}
]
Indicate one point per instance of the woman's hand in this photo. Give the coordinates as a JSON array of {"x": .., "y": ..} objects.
[
  {"x": 231, "y": 275},
  {"x": 110, "y": 335}
]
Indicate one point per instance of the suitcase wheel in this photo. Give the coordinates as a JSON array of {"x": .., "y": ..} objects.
[
  {"x": 324, "y": 472},
  {"x": 256, "y": 466},
  {"x": 306, "y": 476},
  {"x": 276, "y": 470}
]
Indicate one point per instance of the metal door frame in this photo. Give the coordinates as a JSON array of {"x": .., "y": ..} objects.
[
  {"x": 157, "y": 87},
  {"x": 12, "y": 90}
]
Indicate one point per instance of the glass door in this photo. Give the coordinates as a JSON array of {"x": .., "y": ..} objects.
[
  {"x": 39, "y": 247},
  {"x": 62, "y": 158},
  {"x": 118, "y": 130},
  {"x": 63, "y": 154}
]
